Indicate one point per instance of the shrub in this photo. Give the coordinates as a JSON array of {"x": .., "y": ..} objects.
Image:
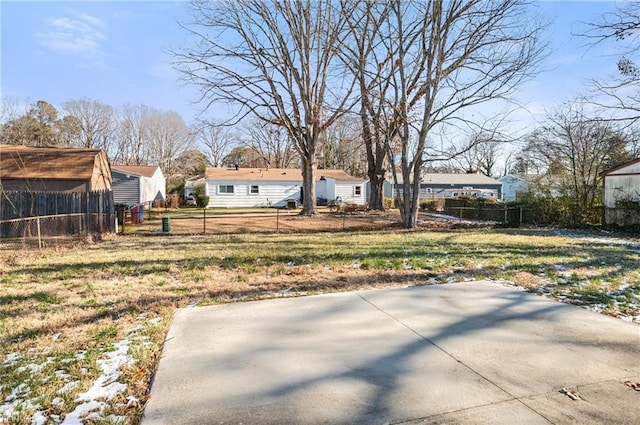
[
  {"x": 202, "y": 199},
  {"x": 390, "y": 203}
]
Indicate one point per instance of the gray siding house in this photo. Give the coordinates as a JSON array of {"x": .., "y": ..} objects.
[
  {"x": 137, "y": 184},
  {"x": 450, "y": 185}
]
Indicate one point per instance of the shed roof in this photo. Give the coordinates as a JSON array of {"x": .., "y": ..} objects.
[
  {"x": 620, "y": 167},
  {"x": 272, "y": 174},
  {"x": 137, "y": 170},
  {"x": 26, "y": 162}
]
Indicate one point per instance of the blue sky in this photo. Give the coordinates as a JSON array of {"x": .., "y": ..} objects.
[{"x": 116, "y": 52}]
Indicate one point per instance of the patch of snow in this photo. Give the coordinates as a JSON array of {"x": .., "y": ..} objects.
[
  {"x": 117, "y": 419},
  {"x": 56, "y": 335},
  {"x": 81, "y": 410},
  {"x": 135, "y": 329},
  {"x": 132, "y": 401},
  {"x": 155, "y": 320},
  {"x": 11, "y": 359},
  {"x": 38, "y": 419},
  {"x": 105, "y": 387},
  {"x": 69, "y": 386}
]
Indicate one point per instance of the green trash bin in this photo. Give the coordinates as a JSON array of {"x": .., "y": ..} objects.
[{"x": 166, "y": 224}]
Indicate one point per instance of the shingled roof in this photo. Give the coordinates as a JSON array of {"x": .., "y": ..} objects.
[
  {"x": 137, "y": 170},
  {"x": 26, "y": 162},
  {"x": 272, "y": 174}
]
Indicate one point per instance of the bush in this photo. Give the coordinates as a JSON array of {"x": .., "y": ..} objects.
[
  {"x": 427, "y": 204},
  {"x": 199, "y": 192},
  {"x": 390, "y": 203}
]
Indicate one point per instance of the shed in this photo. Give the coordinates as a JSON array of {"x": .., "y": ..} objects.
[
  {"x": 621, "y": 197},
  {"x": 45, "y": 169},
  {"x": 138, "y": 184}
]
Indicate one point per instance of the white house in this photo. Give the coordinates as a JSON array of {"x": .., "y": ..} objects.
[
  {"x": 137, "y": 184},
  {"x": 277, "y": 187},
  {"x": 621, "y": 197}
]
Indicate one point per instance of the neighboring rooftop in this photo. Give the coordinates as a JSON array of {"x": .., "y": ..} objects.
[
  {"x": 137, "y": 170},
  {"x": 455, "y": 178},
  {"x": 272, "y": 174}
]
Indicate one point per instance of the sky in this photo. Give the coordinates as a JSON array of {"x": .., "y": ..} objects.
[{"x": 117, "y": 52}]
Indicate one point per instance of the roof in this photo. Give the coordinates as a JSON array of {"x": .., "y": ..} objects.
[
  {"x": 272, "y": 174},
  {"x": 138, "y": 170},
  {"x": 455, "y": 179},
  {"x": 620, "y": 166},
  {"x": 26, "y": 162}
]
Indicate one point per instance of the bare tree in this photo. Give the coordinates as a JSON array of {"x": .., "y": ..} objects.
[
  {"x": 95, "y": 123},
  {"x": 482, "y": 154},
  {"x": 273, "y": 60},
  {"x": 169, "y": 136},
  {"x": 272, "y": 143},
  {"x": 619, "y": 94},
  {"x": 446, "y": 58},
  {"x": 133, "y": 138},
  {"x": 366, "y": 56},
  {"x": 343, "y": 147},
  {"x": 216, "y": 141},
  {"x": 576, "y": 148}
]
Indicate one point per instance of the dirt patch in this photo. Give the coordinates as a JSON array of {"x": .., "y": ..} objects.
[{"x": 284, "y": 221}]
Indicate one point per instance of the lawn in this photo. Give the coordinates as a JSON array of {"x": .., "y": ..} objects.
[{"x": 82, "y": 325}]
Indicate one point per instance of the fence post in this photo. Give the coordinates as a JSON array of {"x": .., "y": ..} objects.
[
  {"x": 39, "y": 236},
  {"x": 520, "y": 210},
  {"x": 204, "y": 221},
  {"x": 344, "y": 218},
  {"x": 277, "y": 220}
]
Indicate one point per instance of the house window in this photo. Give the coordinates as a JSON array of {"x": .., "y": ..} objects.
[
  {"x": 226, "y": 188},
  {"x": 255, "y": 189},
  {"x": 357, "y": 190}
]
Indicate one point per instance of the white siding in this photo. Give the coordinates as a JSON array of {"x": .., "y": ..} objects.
[
  {"x": 271, "y": 193},
  {"x": 347, "y": 191},
  {"x": 153, "y": 188},
  {"x": 621, "y": 187}
]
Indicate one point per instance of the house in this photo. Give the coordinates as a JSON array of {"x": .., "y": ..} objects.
[
  {"x": 191, "y": 183},
  {"x": 43, "y": 169},
  {"x": 277, "y": 187},
  {"x": 451, "y": 185},
  {"x": 621, "y": 197},
  {"x": 138, "y": 184},
  {"x": 513, "y": 187}
]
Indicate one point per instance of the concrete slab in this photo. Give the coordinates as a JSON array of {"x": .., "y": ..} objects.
[{"x": 468, "y": 353}]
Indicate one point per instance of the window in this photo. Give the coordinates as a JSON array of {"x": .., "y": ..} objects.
[
  {"x": 357, "y": 190},
  {"x": 225, "y": 188},
  {"x": 255, "y": 189}
]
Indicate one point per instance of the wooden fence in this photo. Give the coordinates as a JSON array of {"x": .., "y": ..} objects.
[{"x": 24, "y": 214}]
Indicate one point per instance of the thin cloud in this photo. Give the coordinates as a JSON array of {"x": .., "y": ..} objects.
[{"x": 79, "y": 34}]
